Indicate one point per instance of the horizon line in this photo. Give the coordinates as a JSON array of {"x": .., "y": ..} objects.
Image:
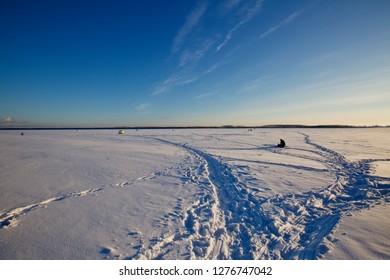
[{"x": 187, "y": 127}]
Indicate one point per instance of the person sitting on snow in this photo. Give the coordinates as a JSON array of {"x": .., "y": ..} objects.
[{"x": 282, "y": 144}]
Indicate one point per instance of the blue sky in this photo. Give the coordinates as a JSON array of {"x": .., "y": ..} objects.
[{"x": 230, "y": 62}]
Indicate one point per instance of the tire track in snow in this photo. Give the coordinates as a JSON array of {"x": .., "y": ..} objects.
[{"x": 10, "y": 218}]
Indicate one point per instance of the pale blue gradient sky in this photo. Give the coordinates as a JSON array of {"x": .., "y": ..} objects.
[{"x": 195, "y": 62}]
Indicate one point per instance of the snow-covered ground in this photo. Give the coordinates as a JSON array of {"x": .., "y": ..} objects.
[{"x": 195, "y": 194}]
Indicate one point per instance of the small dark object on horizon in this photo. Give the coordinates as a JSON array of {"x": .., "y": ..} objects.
[
  {"x": 22, "y": 133},
  {"x": 282, "y": 144}
]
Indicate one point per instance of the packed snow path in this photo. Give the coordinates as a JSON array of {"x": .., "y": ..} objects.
[{"x": 231, "y": 220}]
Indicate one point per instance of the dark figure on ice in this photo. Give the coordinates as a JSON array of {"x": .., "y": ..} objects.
[{"x": 282, "y": 144}]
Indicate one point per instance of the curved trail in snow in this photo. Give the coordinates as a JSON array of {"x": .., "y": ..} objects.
[{"x": 230, "y": 222}]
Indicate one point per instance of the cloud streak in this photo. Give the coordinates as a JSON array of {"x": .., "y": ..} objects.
[
  {"x": 187, "y": 54},
  {"x": 229, "y": 5},
  {"x": 284, "y": 22},
  {"x": 214, "y": 67},
  {"x": 11, "y": 120},
  {"x": 173, "y": 81},
  {"x": 248, "y": 15},
  {"x": 193, "y": 42},
  {"x": 143, "y": 108},
  {"x": 204, "y": 95},
  {"x": 191, "y": 56},
  {"x": 7, "y": 120},
  {"x": 254, "y": 85},
  {"x": 190, "y": 23}
]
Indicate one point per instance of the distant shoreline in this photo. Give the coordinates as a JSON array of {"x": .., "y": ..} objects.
[{"x": 189, "y": 127}]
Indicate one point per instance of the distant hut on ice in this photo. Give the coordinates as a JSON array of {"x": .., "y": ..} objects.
[{"x": 121, "y": 131}]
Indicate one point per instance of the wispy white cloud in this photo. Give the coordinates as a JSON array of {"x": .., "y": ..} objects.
[
  {"x": 188, "y": 80},
  {"x": 6, "y": 120},
  {"x": 193, "y": 42},
  {"x": 173, "y": 81},
  {"x": 189, "y": 49},
  {"x": 214, "y": 67},
  {"x": 191, "y": 56},
  {"x": 371, "y": 79},
  {"x": 249, "y": 13},
  {"x": 358, "y": 89},
  {"x": 231, "y": 4},
  {"x": 11, "y": 120},
  {"x": 185, "y": 74},
  {"x": 164, "y": 87},
  {"x": 255, "y": 84},
  {"x": 286, "y": 21},
  {"x": 143, "y": 108},
  {"x": 325, "y": 98},
  {"x": 324, "y": 104},
  {"x": 204, "y": 95},
  {"x": 190, "y": 23}
]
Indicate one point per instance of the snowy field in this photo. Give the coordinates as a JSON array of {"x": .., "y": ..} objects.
[{"x": 195, "y": 194}]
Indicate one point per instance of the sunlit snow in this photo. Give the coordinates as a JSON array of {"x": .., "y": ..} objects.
[{"x": 195, "y": 194}]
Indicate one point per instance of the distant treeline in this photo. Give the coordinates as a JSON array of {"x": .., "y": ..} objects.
[{"x": 192, "y": 127}]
